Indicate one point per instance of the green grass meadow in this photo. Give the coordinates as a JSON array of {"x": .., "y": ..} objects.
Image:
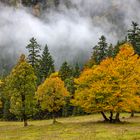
[{"x": 73, "y": 128}]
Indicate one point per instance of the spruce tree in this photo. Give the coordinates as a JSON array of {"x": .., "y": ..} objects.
[
  {"x": 65, "y": 71},
  {"x": 66, "y": 74},
  {"x": 67, "y": 110},
  {"x": 110, "y": 51},
  {"x": 34, "y": 57},
  {"x": 46, "y": 64},
  {"x": 134, "y": 37},
  {"x": 101, "y": 49},
  {"x": 77, "y": 71},
  {"x": 99, "y": 52},
  {"x": 34, "y": 53}
]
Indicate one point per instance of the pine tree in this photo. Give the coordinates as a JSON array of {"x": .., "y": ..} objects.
[
  {"x": 77, "y": 71},
  {"x": 134, "y": 37},
  {"x": 65, "y": 71},
  {"x": 67, "y": 110},
  {"x": 34, "y": 53},
  {"x": 99, "y": 52},
  {"x": 34, "y": 57},
  {"x": 46, "y": 64},
  {"x": 110, "y": 51},
  {"x": 101, "y": 49},
  {"x": 22, "y": 88}
]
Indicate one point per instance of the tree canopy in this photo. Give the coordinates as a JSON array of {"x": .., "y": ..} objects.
[
  {"x": 22, "y": 87},
  {"x": 51, "y": 94},
  {"x": 111, "y": 86}
]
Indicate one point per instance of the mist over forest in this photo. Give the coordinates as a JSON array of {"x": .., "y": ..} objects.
[
  {"x": 70, "y": 28},
  {"x": 68, "y": 58}
]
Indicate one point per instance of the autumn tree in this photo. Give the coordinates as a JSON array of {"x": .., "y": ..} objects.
[
  {"x": 51, "y": 94},
  {"x": 46, "y": 64},
  {"x": 111, "y": 86},
  {"x": 22, "y": 82},
  {"x": 116, "y": 47}
]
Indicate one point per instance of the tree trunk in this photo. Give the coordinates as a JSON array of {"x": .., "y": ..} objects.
[
  {"x": 111, "y": 116},
  {"x": 104, "y": 116},
  {"x": 132, "y": 113},
  {"x": 25, "y": 122},
  {"x": 25, "y": 119},
  {"x": 54, "y": 119},
  {"x": 117, "y": 119},
  {"x": 23, "y": 113}
]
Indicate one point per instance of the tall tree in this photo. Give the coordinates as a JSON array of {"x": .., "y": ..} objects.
[
  {"x": 99, "y": 52},
  {"x": 46, "y": 64},
  {"x": 51, "y": 94},
  {"x": 34, "y": 53},
  {"x": 65, "y": 71},
  {"x": 34, "y": 57},
  {"x": 67, "y": 109},
  {"x": 22, "y": 89},
  {"x": 110, "y": 51},
  {"x": 77, "y": 71},
  {"x": 111, "y": 86},
  {"x": 67, "y": 74},
  {"x": 134, "y": 37}
]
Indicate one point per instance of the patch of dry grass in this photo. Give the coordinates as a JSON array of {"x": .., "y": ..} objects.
[{"x": 72, "y": 128}]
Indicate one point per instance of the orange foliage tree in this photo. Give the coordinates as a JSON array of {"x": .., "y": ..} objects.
[{"x": 112, "y": 86}]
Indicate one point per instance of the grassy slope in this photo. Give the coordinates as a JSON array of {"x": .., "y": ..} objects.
[{"x": 73, "y": 128}]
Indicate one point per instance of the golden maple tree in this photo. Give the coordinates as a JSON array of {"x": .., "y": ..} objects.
[
  {"x": 112, "y": 86},
  {"x": 51, "y": 94}
]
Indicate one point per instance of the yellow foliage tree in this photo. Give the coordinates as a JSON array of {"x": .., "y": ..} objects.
[
  {"x": 112, "y": 86},
  {"x": 51, "y": 94},
  {"x": 20, "y": 87}
]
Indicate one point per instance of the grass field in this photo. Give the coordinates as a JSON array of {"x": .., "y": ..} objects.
[{"x": 73, "y": 128}]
